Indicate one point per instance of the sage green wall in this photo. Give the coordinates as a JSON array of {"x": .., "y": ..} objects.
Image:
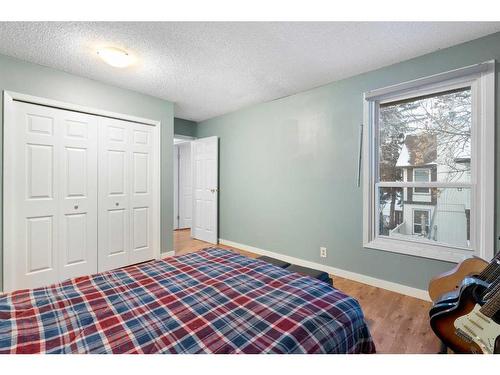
[
  {"x": 288, "y": 170},
  {"x": 184, "y": 127},
  {"x": 32, "y": 79}
]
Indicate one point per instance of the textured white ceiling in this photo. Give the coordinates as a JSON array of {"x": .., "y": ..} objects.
[{"x": 209, "y": 68}]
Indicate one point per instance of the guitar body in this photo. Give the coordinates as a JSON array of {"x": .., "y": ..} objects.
[
  {"x": 448, "y": 301},
  {"x": 443, "y": 322},
  {"x": 481, "y": 329},
  {"x": 450, "y": 281}
]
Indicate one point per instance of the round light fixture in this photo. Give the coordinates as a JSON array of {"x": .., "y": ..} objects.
[{"x": 115, "y": 57}]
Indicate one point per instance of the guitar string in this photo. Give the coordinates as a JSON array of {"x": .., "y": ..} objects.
[
  {"x": 493, "y": 264},
  {"x": 494, "y": 274},
  {"x": 491, "y": 307},
  {"x": 492, "y": 267},
  {"x": 492, "y": 289}
]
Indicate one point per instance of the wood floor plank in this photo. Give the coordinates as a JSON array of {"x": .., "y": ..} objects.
[{"x": 398, "y": 323}]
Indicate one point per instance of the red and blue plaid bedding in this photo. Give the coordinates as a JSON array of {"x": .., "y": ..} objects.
[{"x": 212, "y": 301}]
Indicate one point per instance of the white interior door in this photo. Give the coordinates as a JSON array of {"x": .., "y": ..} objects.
[
  {"x": 205, "y": 153},
  {"x": 50, "y": 172},
  {"x": 185, "y": 186},
  {"x": 127, "y": 187}
]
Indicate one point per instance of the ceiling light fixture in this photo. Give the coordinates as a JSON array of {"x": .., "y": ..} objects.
[{"x": 115, "y": 57}]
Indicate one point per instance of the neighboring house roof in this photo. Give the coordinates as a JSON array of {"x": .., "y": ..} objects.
[{"x": 418, "y": 150}]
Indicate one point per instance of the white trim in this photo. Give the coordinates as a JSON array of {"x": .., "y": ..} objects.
[
  {"x": 481, "y": 79},
  {"x": 8, "y": 208},
  {"x": 157, "y": 184},
  {"x": 184, "y": 137},
  {"x": 369, "y": 280},
  {"x": 485, "y": 224},
  {"x": 77, "y": 108},
  {"x": 456, "y": 74},
  {"x": 420, "y": 248},
  {"x": 436, "y": 184},
  {"x": 180, "y": 139},
  {"x": 8, "y": 112},
  {"x": 167, "y": 254}
]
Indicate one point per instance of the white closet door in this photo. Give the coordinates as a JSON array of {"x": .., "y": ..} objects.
[
  {"x": 127, "y": 212},
  {"x": 78, "y": 203},
  {"x": 205, "y": 189},
  {"x": 46, "y": 238},
  {"x": 114, "y": 190},
  {"x": 142, "y": 193}
]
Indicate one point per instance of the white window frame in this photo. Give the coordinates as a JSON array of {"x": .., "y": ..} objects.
[
  {"x": 428, "y": 180},
  {"x": 481, "y": 79}
]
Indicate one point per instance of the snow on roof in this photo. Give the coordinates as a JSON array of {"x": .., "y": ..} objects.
[
  {"x": 418, "y": 150},
  {"x": 404, "y": 158}
]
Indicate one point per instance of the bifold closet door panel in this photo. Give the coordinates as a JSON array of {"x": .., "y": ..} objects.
[
  {"x": 49, "y": 169},
  {"x": 114, "y": 194},
  {"x": 142, "y": 191},
  {"x": 78, "y": 206},
  {"x": 127, "y": 187}
]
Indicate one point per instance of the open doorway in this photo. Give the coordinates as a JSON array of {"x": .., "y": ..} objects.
[
  {"x": 195, "y": 193},
  {"x": 183, "y": 191},
  {"x": 183, "y": 187}
]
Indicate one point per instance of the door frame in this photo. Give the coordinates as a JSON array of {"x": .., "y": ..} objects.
[
  {"x": 9, "y": 97},
  {"x": 176, "y": 177},
  {"x": 181, "y": 186}
]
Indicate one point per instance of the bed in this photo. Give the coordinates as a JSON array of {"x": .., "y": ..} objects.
[{"x": 211, "y": 301}]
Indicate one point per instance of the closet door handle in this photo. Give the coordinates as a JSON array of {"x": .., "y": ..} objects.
[
  {"x": 117, "y": 204},
  {"x": 75, "y": 207}
]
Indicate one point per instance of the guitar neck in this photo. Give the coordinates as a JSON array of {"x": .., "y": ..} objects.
[
  {"x": 492, "y": 271},
  {"x": 491, "y": 307},
  {"x": 492, "y": 290}
]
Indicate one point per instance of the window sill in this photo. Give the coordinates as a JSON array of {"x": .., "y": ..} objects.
[{"x": 423, "y": 250}]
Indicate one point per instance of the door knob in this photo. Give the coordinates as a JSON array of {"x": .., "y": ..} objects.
[
  {"x": 75, "y": 207},
  {"x": 117, "y": 204}
]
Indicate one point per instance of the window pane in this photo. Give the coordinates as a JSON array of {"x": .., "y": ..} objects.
[
  {"x": 421, "y": 222},
  {"x": 432, "y": 132},
  {"x": 442, "y": 216},
  {"x": 422, "y": 175},
  {"x": 420, "y": 190}
]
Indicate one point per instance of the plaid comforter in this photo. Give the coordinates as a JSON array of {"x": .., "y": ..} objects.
[{"x": 212, "y": 301}]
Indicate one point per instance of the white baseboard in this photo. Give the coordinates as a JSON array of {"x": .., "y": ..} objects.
[{"x": 373, "y": 281}]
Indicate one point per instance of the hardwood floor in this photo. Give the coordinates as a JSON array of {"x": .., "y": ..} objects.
[{"x": 398, "y": 323}]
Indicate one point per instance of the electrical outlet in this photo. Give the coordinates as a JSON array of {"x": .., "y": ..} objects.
[{"x": 322, "y": 252}]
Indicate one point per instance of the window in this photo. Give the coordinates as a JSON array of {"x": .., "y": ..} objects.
[
  {"x": 421, "y": 175},
  {"x": 421, "y": 222},
  {"x": 428, "y": 165}
]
